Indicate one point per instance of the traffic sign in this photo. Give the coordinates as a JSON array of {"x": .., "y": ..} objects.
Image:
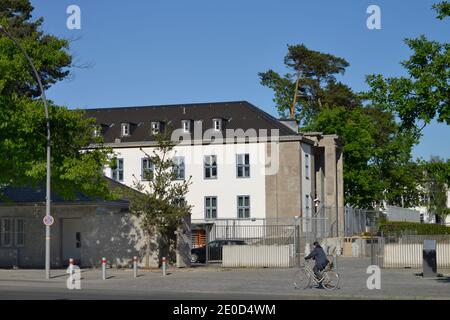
[{"x": 48, "y": 220}]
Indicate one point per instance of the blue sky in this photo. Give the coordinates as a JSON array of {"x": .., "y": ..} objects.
[{"x": 145, "y": 52}]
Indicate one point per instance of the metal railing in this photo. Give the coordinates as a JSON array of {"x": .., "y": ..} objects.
[
  {"x": 268, "y": 242},
  {"x": 405, "y": 251}
]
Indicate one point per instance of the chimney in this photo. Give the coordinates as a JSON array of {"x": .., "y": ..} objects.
[{"x": 291, "y": 124}]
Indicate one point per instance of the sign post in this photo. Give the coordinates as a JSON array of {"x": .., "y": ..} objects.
[
  {"x": 48, "y": 220},
  {"x": 429, "y": 259}
]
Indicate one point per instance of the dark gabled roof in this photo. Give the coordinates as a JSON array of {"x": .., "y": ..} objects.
[
  {"x": 32, "y": 195},
  {"x": 238, "y": 115}
]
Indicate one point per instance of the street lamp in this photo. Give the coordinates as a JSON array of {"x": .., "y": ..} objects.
[{"x": 44, "y": 101}]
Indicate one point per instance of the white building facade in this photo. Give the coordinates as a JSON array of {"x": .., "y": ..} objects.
[{"x": 243, "y": 163}]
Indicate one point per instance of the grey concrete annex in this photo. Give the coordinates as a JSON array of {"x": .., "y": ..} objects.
[{"x": 219, "y": 284}]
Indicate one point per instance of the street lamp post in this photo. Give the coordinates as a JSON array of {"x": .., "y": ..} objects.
[{"x": 44, "y": 101}]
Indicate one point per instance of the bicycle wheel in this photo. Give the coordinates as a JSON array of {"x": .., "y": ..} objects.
[
  {"x": 301, "y": 280},
  {"x": 330, "y": 280}
]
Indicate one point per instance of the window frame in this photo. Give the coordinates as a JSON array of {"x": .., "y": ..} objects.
[
  {"x": 155, "y": 130},
  {"x": 179, "y": 202},
  {"x": 150, "y": 167},
  {"x": 210, "y": 167},
  {"x": 17, "y": 233},
  {"x": 3, "y": 232},
  {"x": 243, "y": 207},
  {"x": 123, "y": 126},
  {"x": 217, "y": 121},
  {"x": 208, "y": 210},
  {"x": 115, "y": 173},
  {"x": 178, "y": 167},
  {"x": 244, "y": 165},
  {"x": 186, "y": 126},
  {"x": 97, "y": 132}
]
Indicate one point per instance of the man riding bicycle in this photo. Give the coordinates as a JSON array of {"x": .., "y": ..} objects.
[{"x": 320, "y": 258}]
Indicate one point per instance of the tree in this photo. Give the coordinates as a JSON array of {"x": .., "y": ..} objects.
[
  {"x": 311, "y": 85},
  {"x": 22, "y": 121},
  {"x": 424, "y": 94},
  {"x": 377, "y": 154},
  {"x": 436, "y": 182},
  {"x": 443, "y": 9},
  {"x": 357, "y": 132},
  {"x": 160, "y": 201}
]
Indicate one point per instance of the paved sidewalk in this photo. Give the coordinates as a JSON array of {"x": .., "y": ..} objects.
[{"x": 219, "y": 283}]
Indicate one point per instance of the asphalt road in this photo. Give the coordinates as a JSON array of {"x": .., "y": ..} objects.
[{"x": 218, "y": 284}]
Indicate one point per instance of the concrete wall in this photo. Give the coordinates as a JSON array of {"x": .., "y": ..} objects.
[
  {"x": 331, "y": 180},
  {"x": 105, "y": 232},
  {"x": 258, "y": 256},
  {"x": 283, "y": 189},
  {"x": 307, "y": 194}
]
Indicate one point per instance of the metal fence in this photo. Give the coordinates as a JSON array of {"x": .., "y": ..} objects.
[
  {"x": 405, "y": 251},
  {"x": 264, "y": 242},
  {"x": 358, "y": 221}
]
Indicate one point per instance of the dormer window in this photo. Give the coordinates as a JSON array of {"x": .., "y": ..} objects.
[
  {"x": 97, "y": 131},
  {"x": 125, "y": 129},
  {"x": 186, "y": 125},
  {"x": 217, "y": 124},
  {"x": 156, "y": 127}
]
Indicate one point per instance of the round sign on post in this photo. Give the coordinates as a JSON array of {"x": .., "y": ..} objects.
[{"x": 48, "y": 220}]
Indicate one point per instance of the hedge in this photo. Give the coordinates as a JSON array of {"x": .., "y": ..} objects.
[{"x": 391, "y": 227}]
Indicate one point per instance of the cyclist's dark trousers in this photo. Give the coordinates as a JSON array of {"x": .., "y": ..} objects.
[{"x": 317, "y": 270}]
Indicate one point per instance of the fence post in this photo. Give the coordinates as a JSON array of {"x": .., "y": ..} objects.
[
  {"x": 335, "y": 262},
  {"x": 71, "y": 266},
  {"x": 164, "y": 266},
  {"x": 103, "y": 268},
  {"x": 135, "y": 267}
]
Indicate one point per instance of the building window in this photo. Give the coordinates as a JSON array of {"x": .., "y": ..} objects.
[
  {"x": 156, "y": 127},
  {"x": 217, "y": 124},
  {"x": 12, "y": 232},
  {"x": 178, "y": 168},
  {"x": 210, "y": 207},
  {"x": 147, "y": 169},
  {"x": 117, "y": 170},
  {"x": 307, "y": 166},
  {"x": 20, "y": 233},
  {"x": 210, "y": 165},
  {"x": 179, "y": 202},
  {"x": 6, "y": 232},
  {"x": 97, "y": 131},
  {"x": 186, "y": 125},
  {"x": 125, "y": 129},
  {"x": 243, "y": 165},
  {"x": 243, "y": 207}
]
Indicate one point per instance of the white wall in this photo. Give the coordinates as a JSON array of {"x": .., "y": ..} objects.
[{"x": 226, "y": 187}]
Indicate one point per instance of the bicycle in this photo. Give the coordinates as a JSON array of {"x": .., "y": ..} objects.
[{"x": 305, "y": 275}]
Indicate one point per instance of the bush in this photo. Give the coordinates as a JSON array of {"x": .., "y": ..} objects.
[{"x": 390, "y": 227}]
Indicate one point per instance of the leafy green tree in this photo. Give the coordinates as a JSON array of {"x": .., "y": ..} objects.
[
  {"x": 377, "y": 155},
  {"x": 443, "y": 9},
  {"x": 436, "y": 182},
  {"x": 22, "y": 121},
  {"x": 310, "y": 85},
  {"x": 160, "y": 201},
  {"x": 356, "y": 131},
  {"x": 424, "y": 94}
]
